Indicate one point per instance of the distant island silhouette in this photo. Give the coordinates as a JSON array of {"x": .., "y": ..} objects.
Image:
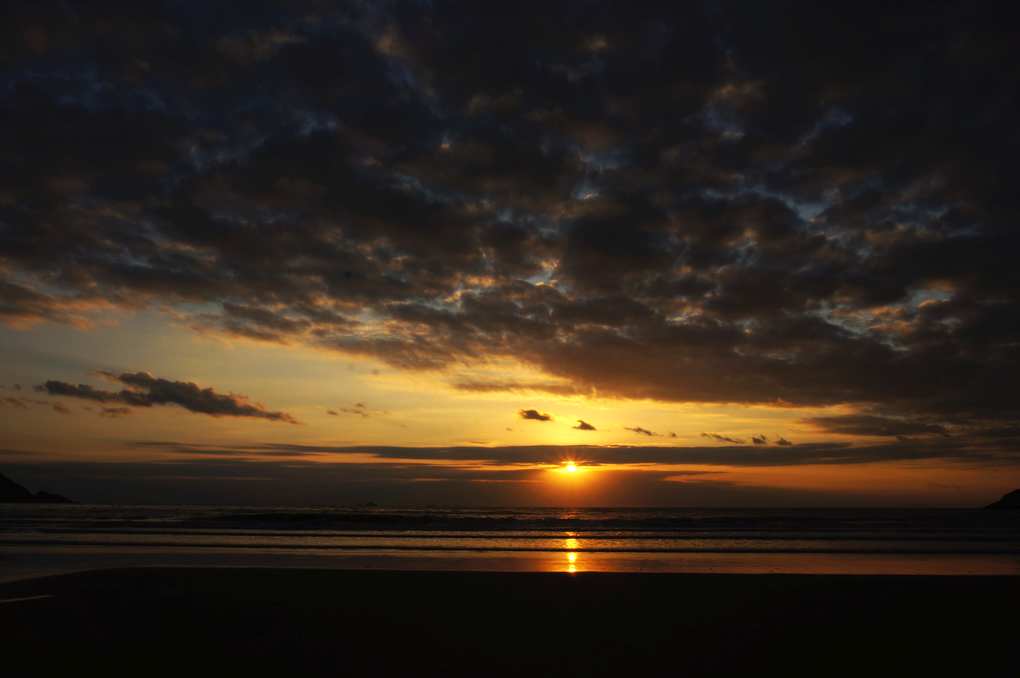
[
  {"x": 13, "y": 493},
  {"x": 1008, "y": 501}
]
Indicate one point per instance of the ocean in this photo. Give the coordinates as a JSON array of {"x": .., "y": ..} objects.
[{"x": 47, "y": 539}]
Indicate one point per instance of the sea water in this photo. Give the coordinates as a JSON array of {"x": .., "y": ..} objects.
[{"x": 43, "y": 539}]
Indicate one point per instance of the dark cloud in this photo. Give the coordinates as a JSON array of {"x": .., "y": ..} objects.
[
  {"x": 870, "y": 425},
  {"x": 83, "y": 391},
  {"x": 534, "y": 415},
  {"x": 16, "y": 453},
  {"x": 722, "y": 439},
  {"x": 358, "y": 409},
  {"x": 759, "y": 440},
  {"x": 783, "y": 441},
  {"x": 582, "y": 425},
  {"x": 516, "y": 386},
  {"x": 721, "y": 203},
  {"x": 145, "y": 390},
  {"x": 1003, "y": 432},
  {"x": 805, "y": 454},
  {"x": 283, "y": 482},
  {"x": 638, "y": 429}
]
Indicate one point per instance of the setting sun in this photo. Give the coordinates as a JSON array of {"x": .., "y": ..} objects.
[{"x": 571, "y": 467}]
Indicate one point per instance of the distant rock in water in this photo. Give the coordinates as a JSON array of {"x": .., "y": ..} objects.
[
  {"x": 12, "y": 493},
  {"x": 1008, "y": 501}
]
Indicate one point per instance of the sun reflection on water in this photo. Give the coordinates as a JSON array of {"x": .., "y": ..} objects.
[{"x": 571, "y": 544}]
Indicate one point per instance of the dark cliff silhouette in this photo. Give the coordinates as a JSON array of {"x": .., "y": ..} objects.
[
  {"x": 12, "y": 493},
  {"x": 1008, "y": 501}
]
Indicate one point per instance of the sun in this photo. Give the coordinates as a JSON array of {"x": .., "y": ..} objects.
[{"x": 570, "y": 469}]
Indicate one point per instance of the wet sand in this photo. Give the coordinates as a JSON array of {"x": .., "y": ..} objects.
[{"x": 186, "y": 621}]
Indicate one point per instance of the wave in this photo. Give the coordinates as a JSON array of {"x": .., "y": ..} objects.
[
  {"x": 903, "y": 548},
  {"x": 602, "y": 535},
  {"x": 829, "y": 522}
]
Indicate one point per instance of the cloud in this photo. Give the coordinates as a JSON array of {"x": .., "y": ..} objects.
[
  {"x": 22, "y": 306},
  {"x": 264, "y": 482},
  {"x": 582, "y": 425},
  {"x": 722, "y": 439},
  {"x": 358, "y": 409},
  {"x": 114, "y": 412},
  {"x": 516, "y": 386},
  {"x": 16, "y": 453},
  {"x": 25, "y": 403},
  {"x": 870, "y": 425},
  {"x": 783, "y": 441},
  {"x": 999, "y": 432},
  {"x": 759, "y": 440},
  {"x": 83, "y": 391},
  {"x": 145, "y": 390},
  {"x": 638, "y": 429},
  {"x": 534, "y": 415},
  {"x": 540, "y": 203},
  {"x": 805, "y": 454}
]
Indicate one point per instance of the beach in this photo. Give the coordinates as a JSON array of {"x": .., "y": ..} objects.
[
  {"x": 200, "y": 621},
  {"x": 144, "y": 590}
]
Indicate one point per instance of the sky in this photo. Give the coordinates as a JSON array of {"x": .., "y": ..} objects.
[{"x": 729, "y": 254}]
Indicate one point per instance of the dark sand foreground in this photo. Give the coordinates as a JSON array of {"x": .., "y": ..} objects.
[{"x": 319, "y": 622}]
